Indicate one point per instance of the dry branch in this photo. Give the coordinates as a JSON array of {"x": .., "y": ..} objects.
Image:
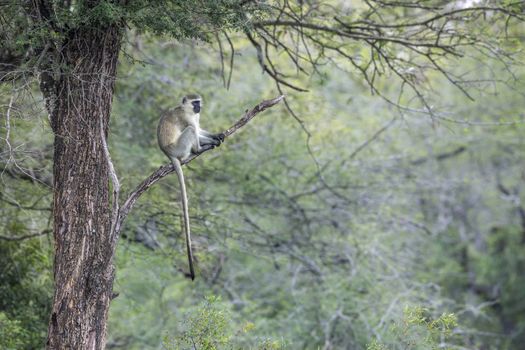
[
  {"x": 21, "y": 238},
  {"x": 168, "y": 168}
]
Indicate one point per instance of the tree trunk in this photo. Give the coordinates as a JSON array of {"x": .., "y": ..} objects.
[{"x": 84, "y": 248}]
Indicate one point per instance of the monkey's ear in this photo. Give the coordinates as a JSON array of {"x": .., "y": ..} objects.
[{"x": 184, "y": 100}]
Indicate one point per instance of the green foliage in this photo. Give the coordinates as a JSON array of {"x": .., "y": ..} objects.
[
  {"x": 206, "y": 329},
  {"x": 25, "y": 294},
  {"x": 190, "y": 19},
  {"x": 500, "y": 279},
  {"x": 22, "y": 33},
  {"x": 210, "y": 328},
  {"x": 316, "y": 262},
  {"x": 104, "y": 13},
  {"x": 317, "y": 257},
  {"x": 12, "y": 334},
  {"x": 418, "y": 329}
]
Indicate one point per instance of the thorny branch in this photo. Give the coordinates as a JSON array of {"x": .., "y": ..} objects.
[{"x": 168, "y": 169}]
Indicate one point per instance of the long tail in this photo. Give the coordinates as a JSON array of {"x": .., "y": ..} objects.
[{"x": 184, "y": 199}]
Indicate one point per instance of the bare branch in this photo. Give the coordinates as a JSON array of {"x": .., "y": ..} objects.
[
  {"x": 232, "y": 57},
  {"x": 168, "y": 168},
  {"x": 25, "y": 207},
  {"x": 114, "y": 179},
  {"x": 270, "y": 70},
  {"x": 221, "y": 54},
  {"x": 8, "y": 127},
  {"x": 21, "y": 238},
  {"x": 30, "y": 175},
  {"x": 370, "y": 140},
  {"x": 427, "y": 34}
]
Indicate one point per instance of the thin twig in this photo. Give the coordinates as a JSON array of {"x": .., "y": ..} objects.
[
  {"x": 21, "y": 238},
  {"x": 232, "y": 50},
  {"x": 114, "y": 180},
  {"x": 370, "y": 140},
  {"x": 8, "y": 128},
  {"x": 221, "y": 54}
]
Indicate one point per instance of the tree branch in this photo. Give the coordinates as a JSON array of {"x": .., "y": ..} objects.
[
  {"x": 114, "y": 178},
  {"x": 427, "y": 34},
  {"x": 168, "y": 168},
  {"x": 21, "y": 238}
]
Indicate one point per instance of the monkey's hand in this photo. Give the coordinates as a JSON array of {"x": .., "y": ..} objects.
[
  {"x": 216, "y": 139},
  {"x": 219, "y": 137}
]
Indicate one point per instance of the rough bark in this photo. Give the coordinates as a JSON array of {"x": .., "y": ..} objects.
[{"x": 79, "y": 100}]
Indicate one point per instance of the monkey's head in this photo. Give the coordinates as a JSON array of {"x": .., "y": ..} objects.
[{"x": 192, "y": 103}]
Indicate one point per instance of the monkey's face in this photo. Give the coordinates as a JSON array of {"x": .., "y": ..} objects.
[
  {"x": 196, "y": 106},
  {"x": 192, "y": 104}
]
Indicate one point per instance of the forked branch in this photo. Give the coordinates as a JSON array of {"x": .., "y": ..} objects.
[{"x": 168, "y": 168}]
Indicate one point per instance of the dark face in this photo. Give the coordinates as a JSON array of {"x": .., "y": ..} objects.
[{"x": 196, "y": 106}]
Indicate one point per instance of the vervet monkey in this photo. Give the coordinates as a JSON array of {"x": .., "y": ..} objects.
[{"x": 179, "y": 135}]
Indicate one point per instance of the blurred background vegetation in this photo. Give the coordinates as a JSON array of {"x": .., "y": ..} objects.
[{"x": 378, "y": 227}]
